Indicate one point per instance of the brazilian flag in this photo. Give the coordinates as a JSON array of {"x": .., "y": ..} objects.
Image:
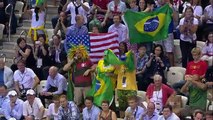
[{"x": 147, "y": 27}]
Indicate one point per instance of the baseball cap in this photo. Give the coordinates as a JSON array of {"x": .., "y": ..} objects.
[
  {"x": 30, "y": 92},
  {"x": 12, "y": 93}
]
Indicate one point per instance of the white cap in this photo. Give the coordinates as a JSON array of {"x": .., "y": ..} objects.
[
  {"x": 12, "y": 119},
  {"x": 12, "y": 93},
  {"x": 30, "y": 92}
]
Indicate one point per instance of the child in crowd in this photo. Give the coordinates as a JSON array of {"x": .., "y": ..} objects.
[{"x": 207, "y": 50}]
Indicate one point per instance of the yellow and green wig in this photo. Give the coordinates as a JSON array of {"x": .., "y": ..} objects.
[{"x": 72, "y": 51}]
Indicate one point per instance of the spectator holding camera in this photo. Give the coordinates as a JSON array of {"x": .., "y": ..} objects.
[{"x": 61, "y": 25}]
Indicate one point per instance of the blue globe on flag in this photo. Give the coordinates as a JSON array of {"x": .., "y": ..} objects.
[{"x": 151, "y": 24}]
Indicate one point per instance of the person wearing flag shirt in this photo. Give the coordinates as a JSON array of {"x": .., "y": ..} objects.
[
  {"x": 81, "y": 67},
  {"x": 90, "y": 112},
  {"x": 14, "y": 107},
  {"x": 134, "y": 111},
  {"x": 78, "y": 28},
  {"x": 77, "y": 7}
]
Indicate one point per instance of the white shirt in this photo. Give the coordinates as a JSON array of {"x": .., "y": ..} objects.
[
  {"x": 40, "y": 21},
  {"x": 182, "y": 36},
  {"x": 157, "y": 98},
  {"x": 34, "y": 109},
  {"x": 208, "y": 49},
  {"x": 71, "y": 7},
  {"x": 51, "y": 111},
  {"x": 25, "y": 79},
  {"x": 209, "y": 12},
  {"x": 121, "y": 29},
  {"x": 173, "y": 116}
]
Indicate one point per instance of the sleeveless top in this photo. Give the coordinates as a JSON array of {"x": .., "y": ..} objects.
[{"x": 109, "y": 117}]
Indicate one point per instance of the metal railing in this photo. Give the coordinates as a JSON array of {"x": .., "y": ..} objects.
[{"x": 9, "y": 6}]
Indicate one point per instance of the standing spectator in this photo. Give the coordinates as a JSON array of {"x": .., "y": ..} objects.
[
  {"x": 134, "y": 111},
  {"x": 150, "y": 113},
  {"x": 61, "y": 25},
  {"x": 208, "y": 18},
  {"x": 81, "y": 67},
  {"x": 78, "y": 28},
  {"x": 41, "y": 55},
  {"x": 133, "y": 5},
  {"x": 56, "y": 85},
  {"x": 24, "y": 78},
  {"x": 6, "y": 75},
  {"x": 168, "y": 114},
  {"x": 106, "y": 113},
  {"x": 52, "y": 113},
  {"x": 120, "y": 28},
  {"x": 25, "y": 52},
  {"x": 38, "y": 21},
  {"x": 3, "y": 4},
  {"x": 78, "y": 7},
  {"x": 198, "y": 115},
  {"x": 188, "y": 28},
  {"x": 157, "y": 63},
  {"x": 207, "y": 50},
  {"x": 159, "y": 93},
  {"x": 32, "y": 107},
  {"x": 14, "y": 107},
  {"x": 90, "y": 112},
  {"x": 115, "y": 7},
  {"x": 3, "y": 99},
  {"x": 142, "y": 5},
  {"x": 68, "y": 110},
  {"x": 141, "y": 60}
]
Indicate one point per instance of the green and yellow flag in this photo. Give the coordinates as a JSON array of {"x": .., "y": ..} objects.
[{"x": 147, "y": 27}]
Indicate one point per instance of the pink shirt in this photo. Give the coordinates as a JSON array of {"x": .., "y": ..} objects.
[{"x": 121, "y": 29}]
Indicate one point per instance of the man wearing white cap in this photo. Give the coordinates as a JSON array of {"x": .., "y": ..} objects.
[
  {"x": 14, "y": 107},
  {"x": 32, "y": 107}
]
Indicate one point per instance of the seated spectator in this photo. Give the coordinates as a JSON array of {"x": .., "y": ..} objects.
[
  {"x": 150, "y": 113},
  {"x": 207, "y": 50},
  {"x": 176, "y": 103},
  {"x": 61, "y": 25},
  {"x": 68, "y": 109},
  {"x": 24, "y": 78},
  {"x": 25, "y": 52},
  {"x": 14, "y": 108},
  {"x": 56, "y": 85},
  {"x": 4, "y": 99},
  {"x": 133, "y": 5},
  {"x": 32, "y": 107},
  {"x": 158, "y": 93},
  {"x": 52, "y": 113},
  {"x": 6, "y": 75},
  {"x": 194, "y": 68},
  {"x": 78, "y": 28},
  {"x": 106, "y": 113},
  {"x": 168, "y": 114},
  {"x": 209, "y": 115},
  {"x": 90, "y": 112},
  {"x": 141, "y": 60},
  {"x": 133, "y": 111},
  {"x": 75, "y": 8},
  {"x": 208, "y": 18},
  {"x": 198, "y": 115},
  {"x": 120, "y": 28},
  {"x": 37, "y": 22},
  {"x": 157, "y": 63},
  {"x": 41, "y": 56}
]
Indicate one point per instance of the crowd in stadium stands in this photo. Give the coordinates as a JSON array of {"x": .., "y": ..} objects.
[{"x": 192, "y": 21}]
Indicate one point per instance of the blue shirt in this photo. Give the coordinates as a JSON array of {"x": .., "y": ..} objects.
[
  {"x": 16, "y": 112},
  {"x": 141, "y": 62},
  {"x": 91, "y": 114},
  {"x": 72, "y": 113},
  {"x": 1, "y": 76},
  {"x": 136, "y": 113},
  {"x": 153, "y": 117},
  {"x": 59, "y": 82},
  {"x": 3, "y": 102},
  {"x": 76, "y": 30}
]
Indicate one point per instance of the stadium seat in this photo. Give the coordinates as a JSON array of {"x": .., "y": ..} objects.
[
  {"x": 1, "y": 31},
  {"x": 175, "y": 74},
  {"x": 177, "y": 51},
  {"x": 141, "y": 95},
  {"x": 179, "y": 69},
  {"x": 184, "y": 101},
  {"x": 50, "y": 33},
  {"x": 200, "y": 44},
  {"x": 18, "y": 9},
  {"x": 41, "y": 86}
]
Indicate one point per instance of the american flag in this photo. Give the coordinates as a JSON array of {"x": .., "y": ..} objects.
[{"x": 96, "y": 44}]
